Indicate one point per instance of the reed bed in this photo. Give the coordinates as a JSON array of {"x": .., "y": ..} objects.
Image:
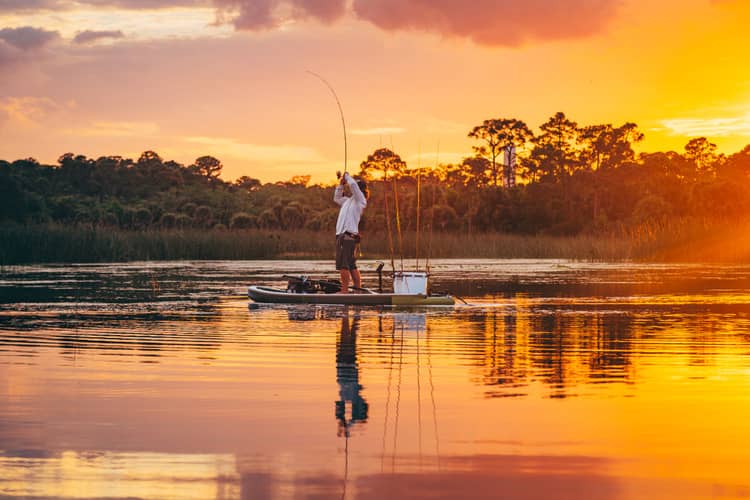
[
  {"x": 675, "y": 241},
  {"x": 55, "y": 243}
]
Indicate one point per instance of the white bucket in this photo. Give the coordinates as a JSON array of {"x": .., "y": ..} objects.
[
  {"x": 409, "y": 323},
  {"x": 410, "y": 283}
]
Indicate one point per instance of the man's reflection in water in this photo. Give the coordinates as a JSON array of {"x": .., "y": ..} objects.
[{"x": 347, "y": 376}]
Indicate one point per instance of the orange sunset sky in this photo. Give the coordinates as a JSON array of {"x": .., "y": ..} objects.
[{"x": 228, "y": 77}]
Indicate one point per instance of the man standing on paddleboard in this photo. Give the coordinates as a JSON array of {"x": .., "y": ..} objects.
[{"x": 347, "y": 229}]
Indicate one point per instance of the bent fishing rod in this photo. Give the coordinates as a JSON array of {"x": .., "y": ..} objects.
[{"x": 341, "y": 111}]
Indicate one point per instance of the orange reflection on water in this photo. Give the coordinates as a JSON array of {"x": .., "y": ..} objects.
[
  {"x": 72, "y": 474},
  {"x": 528, "y": 400}
]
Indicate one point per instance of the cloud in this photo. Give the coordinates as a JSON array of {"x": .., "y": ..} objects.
[
  {"x": 60, "y": 5},
  {"x": 258, "y": 15},
  {"x": 322, "y": 10},
  {"x": 30, "y": 5},
  {"x": 709, "y": 127},
  {"x": 145, "y": 4},
  {"x": 491, "y": 22},
  {"x": 91, "y": 36},
  {"x": 7, "y": 53},
  {"x": 25, "y": 7},
  {"x": 486, "y": 22},
  {"x": 27, "y": 37},
  {"x": 26, "y": 110},
  {"x": 16, "y": 43}
]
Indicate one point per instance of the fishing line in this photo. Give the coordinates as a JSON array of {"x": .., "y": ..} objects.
[
  {"x": 432, "y": 396},
  {"x": 388, "y": 399},
  {"x": 419, "y": 188},
  {"x": 341, "y": 112},
  {"x": 398, "y": 401},
  {"x": 432, "y": 210},
  {"x": 346, "y": 465},
  {"x": 398, "y": 224},
  {"x": 419, "y": 403},
  {"x": 398, "y": 215},
  {"x": 388, "y": 222}
]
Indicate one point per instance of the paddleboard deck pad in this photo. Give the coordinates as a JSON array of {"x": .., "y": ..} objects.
[{"x": 264, "y": 294}]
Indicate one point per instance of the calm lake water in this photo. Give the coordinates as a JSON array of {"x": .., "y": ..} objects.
[{"x": 557, "y": 380}]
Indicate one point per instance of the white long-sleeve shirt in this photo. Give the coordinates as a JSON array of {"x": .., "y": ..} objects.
[{"x": 351, "y": 206}]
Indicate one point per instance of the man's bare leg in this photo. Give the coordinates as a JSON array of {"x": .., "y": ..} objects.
[
  {"x": 345, "y": 278},
  {"x": 357, "y": 278}
]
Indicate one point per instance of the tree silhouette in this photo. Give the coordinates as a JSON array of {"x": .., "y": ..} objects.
[
  {"x": 703, "y": 153},
  {"x": 299, "y": 180},
  {"x": 605, "y": 146},
  {"x": 383, "y": 163},
  {"x": 208, "y": 166},
  {"x": 477, "y": 170},
  {"x": 737, "y": 166},
  {"x": 554, "y": 155},
  {"x": 498, "y": 134},
  {"x": 248, "y": 183},
  {"x": 149, "y": 159}
]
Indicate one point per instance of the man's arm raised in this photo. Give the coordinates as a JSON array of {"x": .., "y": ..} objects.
[{"x": 357, "y": 193}]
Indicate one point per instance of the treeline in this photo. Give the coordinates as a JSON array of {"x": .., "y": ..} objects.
[
  {"x": 151, "y": 193},
  {"x": 568, "y": 180}
]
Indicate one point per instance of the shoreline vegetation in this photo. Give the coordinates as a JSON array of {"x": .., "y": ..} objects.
[
  {"x": 567, "y": 191},
  {"x": 683, "y": 241}
]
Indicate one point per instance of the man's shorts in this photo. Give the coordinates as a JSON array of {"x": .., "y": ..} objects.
[{"x": 346, "y": 246}]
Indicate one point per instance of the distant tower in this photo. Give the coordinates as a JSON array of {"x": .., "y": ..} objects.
[{"x": 509, "y": 166}]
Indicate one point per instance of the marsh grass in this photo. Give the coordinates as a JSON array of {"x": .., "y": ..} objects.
[
  {"x": 56, "y": 243},
  {"x": 667, "y": 241},
  {"x": 691, "y": 240}
]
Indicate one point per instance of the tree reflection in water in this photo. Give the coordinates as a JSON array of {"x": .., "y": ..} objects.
[{"x": 559, "y": 350}]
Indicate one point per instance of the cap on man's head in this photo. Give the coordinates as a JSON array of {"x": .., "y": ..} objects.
[{"x": 363, "y": 187}]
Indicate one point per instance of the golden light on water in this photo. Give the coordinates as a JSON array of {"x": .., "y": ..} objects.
[
  {"x": 71, "y": 474},
  {"x": 624, "y": 395}
]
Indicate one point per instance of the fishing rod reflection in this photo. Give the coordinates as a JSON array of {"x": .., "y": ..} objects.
[
  {"x": 352, "y": 408},
  {"x": 403, "y": 357}
]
